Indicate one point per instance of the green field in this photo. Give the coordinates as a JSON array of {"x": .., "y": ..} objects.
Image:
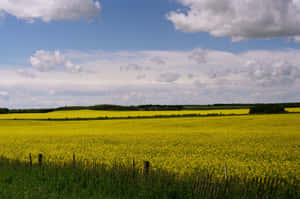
[
  {"x": 293, "y": 110},
  {"x": 257, "y": 145}
]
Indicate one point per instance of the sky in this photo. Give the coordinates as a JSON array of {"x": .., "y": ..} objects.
[{"x": 85, "y": 52}]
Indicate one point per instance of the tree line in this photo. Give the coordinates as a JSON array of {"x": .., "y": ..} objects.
[{"x": 254, "y": 108}]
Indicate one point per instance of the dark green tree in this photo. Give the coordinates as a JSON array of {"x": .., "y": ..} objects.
[{"x": 267, "y": 108}]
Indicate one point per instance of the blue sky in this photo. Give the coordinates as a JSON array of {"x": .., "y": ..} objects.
[
  {"x": 38, "y": 41},
  {"x": 124, "y": 25}
]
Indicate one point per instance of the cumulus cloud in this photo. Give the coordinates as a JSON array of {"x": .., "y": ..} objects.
[
  {"x": 239, "y": 19},
  {"x": 224, "y": 77},
  {"x": 158, "y": 60},
  {"x": 45, "y": 61},
  {"x": 199, "y": 55},
  {"x": 169, "y": 77},
  {"x": 4, "y": 97},
  {"x": 3, "y": 94},
  {"x": 278, "y": 73},
  {"x": 190, "y": 76},
  {"x": 140, "y": 77},
  {"x": 72, "y": 67},
  {"x": 50, "y": 10},
  {"x": 133, "y": 67},
  {"x": 25, "y": 73},
  {"x": 297, "y": 39}
]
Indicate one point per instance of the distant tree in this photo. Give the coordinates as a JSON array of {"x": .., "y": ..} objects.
[
  {"x": 267, "y": 108},
  {"x": 4, "y": 111}
]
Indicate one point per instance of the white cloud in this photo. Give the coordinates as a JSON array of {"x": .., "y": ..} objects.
[
  {"x": 199, "y": 55},
  {"x": 133, "y": 67},
  {"x": 297, "y": 39},
  {"x": 223, "y": 77},
  {"x": 239, "y": 19},
  {"x": 140, "y": 77},
  {"x": 72, "y": 67},
  {"x": 169, "y": 77},
  {"x": 158, "y": 60},
  {"x": 45, "y": 61},
  {"x": 25, "y": 73},
  {"x": 49, "y": 10},
  {"x": 278, "y": 73},
  {"x": 3, "y": 94}
]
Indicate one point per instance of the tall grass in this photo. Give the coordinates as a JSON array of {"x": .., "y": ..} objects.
[{"x": 96, "y": 180}]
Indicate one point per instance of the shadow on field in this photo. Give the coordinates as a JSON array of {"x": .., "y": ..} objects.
[{"x": 94, "y": 180}]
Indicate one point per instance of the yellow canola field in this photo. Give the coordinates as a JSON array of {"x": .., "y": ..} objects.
[
  {"x": 256, "y": 145},
  {"x": 293, "y": 110},
  {"x": 96, "y": 114}
]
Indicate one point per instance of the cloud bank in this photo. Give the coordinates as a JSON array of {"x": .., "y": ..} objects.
[
  {"x": 50, "y": 10},
  {"x": 239, "y": 19},
  {"x": 198, "y": 76},
  {"x": 45, "y": 61}
]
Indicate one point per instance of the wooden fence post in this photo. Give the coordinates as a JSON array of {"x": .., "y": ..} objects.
[
  {"x": 40, "y": 159},
  {"x": 133, "y": 163},
  {"x": 146, "y": 168},
  {"x": 30, "y": 160},
  {"x": 226, "y": 181},
  {"x": 226, "y": 174},
  {"x": 74, "y": 160}
]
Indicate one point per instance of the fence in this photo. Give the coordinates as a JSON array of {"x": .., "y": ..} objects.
[{"x": 204, "y": 184}]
